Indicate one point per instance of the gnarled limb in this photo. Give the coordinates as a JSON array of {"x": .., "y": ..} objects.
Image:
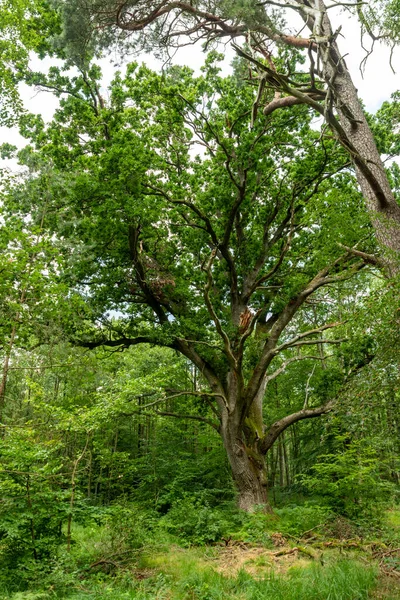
[{"x": 279, "y": 426}]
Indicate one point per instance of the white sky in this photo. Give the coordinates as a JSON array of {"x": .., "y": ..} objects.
[{"x": 378, "y": 84}]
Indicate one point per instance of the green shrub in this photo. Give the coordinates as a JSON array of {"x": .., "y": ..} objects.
[
  {"x": 256, "y": 527},
  {"x": 194, "y": 521},
  {"x": 291, "y": 520},
  {"x": 350, "y": 480},
  {"x": 33, "y": 502},
  {"x": 296, "y": 520},
  {"x": 129, "y": 526}
]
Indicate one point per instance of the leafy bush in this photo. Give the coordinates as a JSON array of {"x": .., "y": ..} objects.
[
  {"x": 32, "y": 506},
  {"x": 194, "y": 521},
  {"x": 350, "y": 480},
  {"x": 296, "y": 520},
  {"x": 291, "y": 520},
  {"x": 256, "y": 527},
  {"x": 129, "y": 526}
]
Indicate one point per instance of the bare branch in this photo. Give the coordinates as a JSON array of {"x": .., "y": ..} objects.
[
  {"x": 212, "y": 424},
  {"x": 370, "y": 259},
  {"x": 318, "y": 341},
  {"x": 228, "y": 349},
  {"x": 284, "y": 365},
  {"x": 281, "y": 103},
  {"x": 293, "y": 341}
]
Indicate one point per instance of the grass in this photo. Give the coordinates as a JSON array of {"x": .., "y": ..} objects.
[
  {"x": 239, "y": 571},
  {"x": 344, "y": 580},
  {"x": 393, "y": 518}
]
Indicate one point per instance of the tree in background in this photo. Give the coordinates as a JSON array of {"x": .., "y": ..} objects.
[
  {"x": 215, "y": 255},
  {"x": 24, "y": 27},
  {"x": 30, "y": 290}
]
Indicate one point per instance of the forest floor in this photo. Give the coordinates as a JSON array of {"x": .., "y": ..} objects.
[
  {"x": 323, "y": 563},
  {"x": 334, "y": 569}
]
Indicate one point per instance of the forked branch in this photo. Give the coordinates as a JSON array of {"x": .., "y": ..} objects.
[{"x": 279, "y": 426}]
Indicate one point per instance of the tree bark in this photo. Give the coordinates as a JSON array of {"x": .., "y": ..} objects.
[
  {"x": 358, "y": 140},
  {"x": 248, "y": 472},
  {"x": 246, "y": 462}
]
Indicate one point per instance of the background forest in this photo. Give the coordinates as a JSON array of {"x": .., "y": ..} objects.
[{"x": 199, "y": 300}]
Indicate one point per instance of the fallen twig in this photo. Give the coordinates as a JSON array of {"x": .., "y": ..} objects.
[
  {"x": 293, "y": 550},
  {"x": 103, "y": 561},
  {"x": 388, "y": 553}
]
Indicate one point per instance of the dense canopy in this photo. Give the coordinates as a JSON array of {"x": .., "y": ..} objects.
[{"x": 199, "y": 292}]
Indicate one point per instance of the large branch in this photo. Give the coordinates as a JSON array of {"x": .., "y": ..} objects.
[
  {"x": 225, "y": 338},
  {"x": 282, "y": 102},
  {"x": 211, "y": 24},
  {"x": 370, "y": 259},
  {"x": 301, "y": 336},
  {"x": 181, "y": 346},
  {"x": 306, "y": 413},
  {"x": 269, "y": 351},
  {"x": 279, "y": 426},
  {"x": 123, "y": 342},
  {"x": 187, "y": 349},
  {"x": 154, "y": 303}
]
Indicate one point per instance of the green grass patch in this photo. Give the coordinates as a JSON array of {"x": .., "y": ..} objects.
[
  {"x": 130, "y": 557},
  {"x": 186, "y": 574},
  {"x": 393, "y": 518}
]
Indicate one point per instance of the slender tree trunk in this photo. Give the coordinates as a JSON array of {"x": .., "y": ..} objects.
[
  {"x": 98, "y": 487},
  {"x": 295, "y": 452},
  {"x": 73, "y": 490},
  {"x": 31, "y": 521},
  {"x": 286, "y": 459},
  {"x": 274, "y": 467},
  {"x": 6, "y": 364},
  {"x": 111, "y": 467},
  {"x": 281, "y": 464},
  {"x": 89, "y": 483}
]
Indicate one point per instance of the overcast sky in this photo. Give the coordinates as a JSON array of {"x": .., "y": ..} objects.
[{"x": 378, "y": 84}]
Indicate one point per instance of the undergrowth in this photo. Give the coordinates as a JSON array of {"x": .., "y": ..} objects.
[
  {"x": 304, "y": 552},
  {"x": 344, "y": 580}
]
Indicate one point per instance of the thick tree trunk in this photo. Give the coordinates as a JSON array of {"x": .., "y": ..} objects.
[{"x": 247, "y": 464}]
